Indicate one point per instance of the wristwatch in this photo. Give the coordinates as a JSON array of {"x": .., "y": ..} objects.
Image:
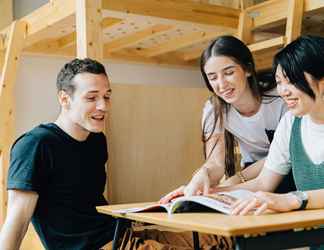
[{"x": 302, "y": 198}]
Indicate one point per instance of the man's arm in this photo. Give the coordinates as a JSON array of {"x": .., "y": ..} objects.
[{"x": 21, "y": 206}]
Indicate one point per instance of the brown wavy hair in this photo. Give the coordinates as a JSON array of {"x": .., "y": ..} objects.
[{"x": 235, "y": 49}]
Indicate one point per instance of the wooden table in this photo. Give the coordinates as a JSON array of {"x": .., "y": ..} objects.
[{"x": 271, "y": 231}]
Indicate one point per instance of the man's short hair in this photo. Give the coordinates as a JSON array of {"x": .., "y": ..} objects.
[{"x": 74, "y": 67}]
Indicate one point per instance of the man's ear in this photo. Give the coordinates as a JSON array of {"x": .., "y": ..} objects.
[{"x": 64, "y": 99}]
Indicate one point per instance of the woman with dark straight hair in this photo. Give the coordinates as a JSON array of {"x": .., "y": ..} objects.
[
  {"x": 299, "y": 138},
  {"x": 244, "y": 109}
]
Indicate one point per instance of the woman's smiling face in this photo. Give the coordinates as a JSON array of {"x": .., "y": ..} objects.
[
  {"x": 298, "y": 102},
  {"x": 227, "y": 78}
]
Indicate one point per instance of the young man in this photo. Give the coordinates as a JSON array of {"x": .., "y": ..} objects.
[{"x": 57, "y": 170}]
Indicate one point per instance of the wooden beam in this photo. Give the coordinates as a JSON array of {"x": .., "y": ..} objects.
[
  {"x": 268, "y": 44},
  {"x": 126, "y": 55},
  {"x": 196, "y": 53},
  {"x": 245, "y": 4},
  {"x": 263, "y": 59},
  {"x": 70, "y": 39},
  {"x": 131, "y": 55},
  {"x": 313, "y": 5},
  {"x": 2, "y": 57},
  {"x": 44, "y": 21},
  {"x": 294, "y": 19},
  {"x": 67, "y": 40},
  {"x": 135, "y": 38},
  {"x": 268, "y": 12},
  {"x": 110, "y": 21},
  {"x": 193, "y": 54},
  {"x": 2, "y": 42},
  {"x": 6, "y": 16},
  {"x": 245, "y": 27},
  {"x": 88, "y": 29},
  {"x": 12, "y": 58},
  {"x": 49, "y": 46},
  {"x": 275, "y": 11},
  {"x": 180, "y": 43},
  {"x": 177, "y": 10}
]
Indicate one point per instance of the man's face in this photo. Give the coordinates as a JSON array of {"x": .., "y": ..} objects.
[{"x": 87, "y": 106}]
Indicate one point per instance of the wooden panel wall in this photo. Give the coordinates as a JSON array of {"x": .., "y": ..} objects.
[
  {"x": 31, "y": 240},
  {"x": 154, "y": 137}
]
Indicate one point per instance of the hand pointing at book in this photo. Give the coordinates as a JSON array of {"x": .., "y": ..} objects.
[{"x": 198, "y": 185}]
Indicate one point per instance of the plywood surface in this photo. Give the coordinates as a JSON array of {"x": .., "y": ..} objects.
[
  {"x": 216, "y": 223},
  {"x": 154, "y": 139}
]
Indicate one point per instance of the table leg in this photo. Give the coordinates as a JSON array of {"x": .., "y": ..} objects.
[
  {"x": 120, "y": 223},
  {"x": 196, "y": 240}
]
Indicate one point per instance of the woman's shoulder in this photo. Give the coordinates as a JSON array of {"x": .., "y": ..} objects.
[
  {"x": 287, "y": 120},
  {"x": 209, "y": 105}
]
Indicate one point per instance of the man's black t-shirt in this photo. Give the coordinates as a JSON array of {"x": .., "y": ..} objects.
[{"x": 69, "y": 177}]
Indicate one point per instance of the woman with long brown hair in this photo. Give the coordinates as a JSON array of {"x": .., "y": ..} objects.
[{"x": 242, "y": 109}]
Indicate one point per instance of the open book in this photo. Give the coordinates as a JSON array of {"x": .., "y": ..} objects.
[{"x": 220, "y": 202}]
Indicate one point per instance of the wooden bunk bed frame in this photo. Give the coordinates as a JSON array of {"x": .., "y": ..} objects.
[{"x": 147, "y": 31}]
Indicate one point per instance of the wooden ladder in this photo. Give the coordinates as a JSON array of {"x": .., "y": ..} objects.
[{"x": 271, "y": 14}]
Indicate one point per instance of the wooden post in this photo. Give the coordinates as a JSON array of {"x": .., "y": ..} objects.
[
  {"x": 245, "y": 27},
  {"x": 88, "y": 29},
  {"x": 6, "y": 16},
  {"x": 245, "y": 4},
  {"x": 294, "y": 19},
  {"x": 17, "y": 36},
  {"x": 89, "y": 34}
]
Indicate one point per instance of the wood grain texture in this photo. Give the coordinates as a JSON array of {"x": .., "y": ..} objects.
[
  {"x": 154, "y": 138},
  {"x": 221, "y": 224}
]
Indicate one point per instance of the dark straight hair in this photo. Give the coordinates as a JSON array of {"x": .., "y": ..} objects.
[
  {"x": 305, "y": 54},
  {"x": 235, "y": 49}
]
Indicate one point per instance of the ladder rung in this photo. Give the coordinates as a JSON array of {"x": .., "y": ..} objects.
[{"x": 271, "y": 43}]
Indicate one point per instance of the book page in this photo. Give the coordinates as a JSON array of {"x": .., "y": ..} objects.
[
  {"x": 221, "y": 202},
  {"x": 150, "y": 208}
]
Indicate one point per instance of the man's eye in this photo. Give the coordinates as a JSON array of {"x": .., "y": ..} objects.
[
  {"x": 107, "y": 97},
  {"x": 91, "y": 98}
]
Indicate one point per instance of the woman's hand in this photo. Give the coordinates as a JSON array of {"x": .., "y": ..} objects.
[
  {"x": 199, "y": 183},
  {"x": 174, "y": 194},
  {"x": 263, "y": 201}
]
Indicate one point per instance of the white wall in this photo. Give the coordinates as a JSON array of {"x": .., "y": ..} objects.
[
  {"x": 24, "y": 7},
  {"x": 36, "y": 91}
]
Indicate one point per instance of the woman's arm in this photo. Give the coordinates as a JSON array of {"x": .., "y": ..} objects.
[
  {"x": 248, "y": 173},
  {"x": 277, "y": 202}
]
